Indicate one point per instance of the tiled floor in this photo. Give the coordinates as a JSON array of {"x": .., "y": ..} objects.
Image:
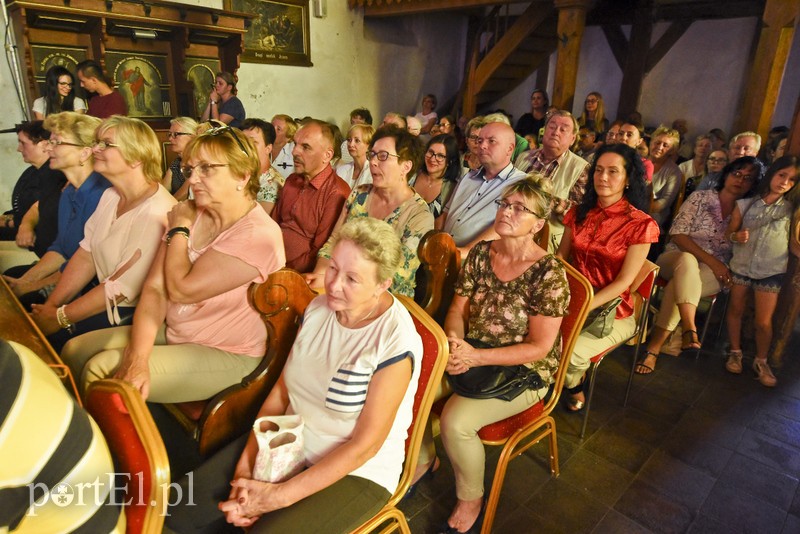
[{"x": 696, "y": 450}]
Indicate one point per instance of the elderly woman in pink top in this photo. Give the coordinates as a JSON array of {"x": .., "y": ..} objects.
[{"x": 194, "y": 332}]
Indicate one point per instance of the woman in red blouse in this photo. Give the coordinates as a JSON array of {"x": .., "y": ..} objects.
[{"x": 607, "y": 238}]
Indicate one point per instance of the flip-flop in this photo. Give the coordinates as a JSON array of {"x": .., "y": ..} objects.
[{"x": 641, "y": 365}]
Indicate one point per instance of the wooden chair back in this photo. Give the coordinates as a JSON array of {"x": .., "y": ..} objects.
[
  {"x": 436, "y": 277},
  {"x": 136, "y": 444},
  {"x": 435, "y": 351}
]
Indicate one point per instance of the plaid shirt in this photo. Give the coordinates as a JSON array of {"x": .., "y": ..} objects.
[{"x": 534, "y": 161}]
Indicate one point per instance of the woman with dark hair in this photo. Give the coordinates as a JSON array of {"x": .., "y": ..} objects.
[
  {"x": 436, "y": 179},
  {"x": 607, "y": 237},
  {"x": 695, "y": 259},
  {"x": 223, "y": 104},
  {"x": 594, "y": 113},
  {"x": 394, "y": 156},
  {"x": 59, "y": 94},
  {"x": 107, "y": 100},
  {"x": 760, "y": 230}
]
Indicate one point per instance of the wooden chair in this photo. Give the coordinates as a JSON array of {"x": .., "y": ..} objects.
[
  {"x": 434, "y": 360},
  {"x": 516, "y": 433},
  {"x": 136, "y": 445},
  {"x": 281, "y": 300},
  {"x": 641, "y": 289},
  {"x": 436, "y": 277}
]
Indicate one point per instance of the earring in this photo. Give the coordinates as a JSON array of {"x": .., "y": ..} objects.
[
  {"x": 239, "y": 187},
  {"x": 81, "y": 163}
]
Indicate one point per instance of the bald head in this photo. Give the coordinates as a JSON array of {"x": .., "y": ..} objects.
[{"x": 495, "y": 147}]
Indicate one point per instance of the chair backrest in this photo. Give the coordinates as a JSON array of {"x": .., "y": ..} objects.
[
  {"x": 435, "y": 351},
  {"x": 642, "y": 289},
  {"x": 580, "y": 295},
  {"x": 281, "y": 300},
  {"x": 136, "y": 444},
  {"x": 436, "y": 277}
]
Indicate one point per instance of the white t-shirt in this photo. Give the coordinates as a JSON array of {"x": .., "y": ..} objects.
[
  {"x": 284, "y": 163},
  {"x": 40, "y": 107},
  {"x": 328, "y": 374},
  {"x": 345, "y": 172}
]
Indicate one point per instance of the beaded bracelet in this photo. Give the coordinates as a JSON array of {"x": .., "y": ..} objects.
[{"x": 63, "y": 320}]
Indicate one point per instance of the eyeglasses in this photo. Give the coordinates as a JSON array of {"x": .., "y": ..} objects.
[
  {"x": 444, "y": 125},
  {"x": 173, "y": 135},
  {"x": 58, "y": 142},
  {"x": 473, "y": 138},
  {"x": 66, "y": 84},
  {"x": 741, "y": 175},
  {"x": 382, "y": 155},
  {"x": 204, "y": 169},
  {"x": 591, "y": 101},
  {"x": 224, "y": 128},
  {"x": 102, "y": 145},
  {"x": 430, "y": 154},
  {"x": 717, "y": 160},
  {"x": 516, "y": 209}
]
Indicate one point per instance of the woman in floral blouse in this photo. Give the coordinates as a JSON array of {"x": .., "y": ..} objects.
[
  {"x": 510, "y": 298},
  {"x": 695, "y": 260},
  {"x": 394, "y": 156},
  {"x": 607, "y": 238}
]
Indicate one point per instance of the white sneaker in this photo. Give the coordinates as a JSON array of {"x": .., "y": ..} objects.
[
  {"x": 765, "y": 376},
  {"x": 734, "y": 363}
]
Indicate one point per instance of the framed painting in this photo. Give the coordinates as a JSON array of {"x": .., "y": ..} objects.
[
  {"x": 45, "y": 57},
  {"x": 200, "y": 72},
  {"x": 143, "y": 82},
  {"x": 279, "y": 33}
]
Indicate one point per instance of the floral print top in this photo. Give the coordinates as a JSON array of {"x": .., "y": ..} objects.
[
  {"x": 700, "y": 218},
  {"x": 499, "y": 311},
  {"x": 270, "y": 184},
  {"x": 411, "y": 220}
]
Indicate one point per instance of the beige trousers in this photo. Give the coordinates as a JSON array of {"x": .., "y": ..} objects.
[
  {"x": 178, "y": 373},
  {"x": 689, "y": 281},
  {"x": 587, "y": 347}
]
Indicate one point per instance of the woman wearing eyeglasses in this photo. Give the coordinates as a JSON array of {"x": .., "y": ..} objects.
[
  {"x": 59, "y": 94},
  {"x": 594, "y": 113},
  {"x": 194, "y": 332},
  {"x": 70, "y": 151},
  {"x": 100, "y": 285},
  {"x": 607, "y": 237},
  {"x": 695, "y": 261},
  {"x": 436, "y": 179},
  {"x": 394, "y": 156},
  {"x": 356, "y": 173},
  {"x": 510, "y": 298},
  {"x": 181, "y": 131}
]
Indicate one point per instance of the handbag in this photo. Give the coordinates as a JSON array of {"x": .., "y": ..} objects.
[
  {"x": 506, "y": 382},
  {"x": 600, "y": 321},
  {"x": 280, "y": 447}
]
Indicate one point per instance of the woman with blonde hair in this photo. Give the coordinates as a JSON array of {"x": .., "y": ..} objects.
[
  {"x": 181, "y": 131},
  {"x": 356, "y": 172},
  {"x": 70, "y": 150},
  {"x": 121, "y": 237},
  {"x": 594, "y": 113},
  {"x": 193, "y": 315}
]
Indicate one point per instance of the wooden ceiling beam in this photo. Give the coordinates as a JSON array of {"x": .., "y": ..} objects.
[
  {"x": 665, "y": 42},
  {"x": 617, "y": 42},
  {"x": 393, "y": 8}
]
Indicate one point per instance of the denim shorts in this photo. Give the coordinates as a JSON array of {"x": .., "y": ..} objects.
[{"x": 770, "y": 284}]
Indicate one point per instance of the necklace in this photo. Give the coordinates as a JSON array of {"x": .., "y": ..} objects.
[{"x": 368, "y": 315}]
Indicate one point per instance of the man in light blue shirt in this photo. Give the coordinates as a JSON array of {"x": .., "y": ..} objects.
[{"x": 469, "y": 215}]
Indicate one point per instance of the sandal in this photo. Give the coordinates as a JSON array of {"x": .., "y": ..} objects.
[
  {"x": 572, "y": 404},
  {"x": 694, "y": 341},
  {"x": 644, "y": 369}
]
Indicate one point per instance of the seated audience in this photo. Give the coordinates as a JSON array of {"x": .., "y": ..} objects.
[
  {"x": 270, "y": 181},
  {"x": 181, "y": 131},
  {"x": 760, "y": 229},
  {"x": 631, "y": 135},
  {"x": 684, "y": 148},
  {"x": 354, "y": 443},
  {"x": 106, "y": 101},
  {"x": 357, "y": 116},
  {"x": 100, "y": 284},
  {"x": 193, "y": 317},
  {"x": 59, "y": 87},
  {"x": 510, "y": 299},
  {"x": 667, "y": 177},
  {"x": 70, "y": 147},
  {"x": 469, "y": 214},
  {"x": 607, "y": 237},
  {"x": 696, "y": 166},
  {"x": 223, "y": 104},
  {"x": 741, "y": 145},
  {"x": 586, "y": 142},
  {"x": 470, "y": 160},
  {"x": 356, "y": 173},
  {"x": 395, "y": 119},
  {"x": 520, "y": 143},
  {"x": 718, "y": 139},
  {"x": 435, "y": 180},
  {"x": 715, "y": 162},
  {"x": 560, "y": 165},
  {"x": 530, "y": 124},
  {"x": 283, "y": 147},
  {"x": 414, "y": 127},
  {"x": 447, "y": 125},
  {"x": 695, "y": 259},
  {"x": 427, "y": 117},
  {"x": 594, "y": 113},
  {"x": 312, "y": 198},
  {"x": 394, "y": 156}
]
